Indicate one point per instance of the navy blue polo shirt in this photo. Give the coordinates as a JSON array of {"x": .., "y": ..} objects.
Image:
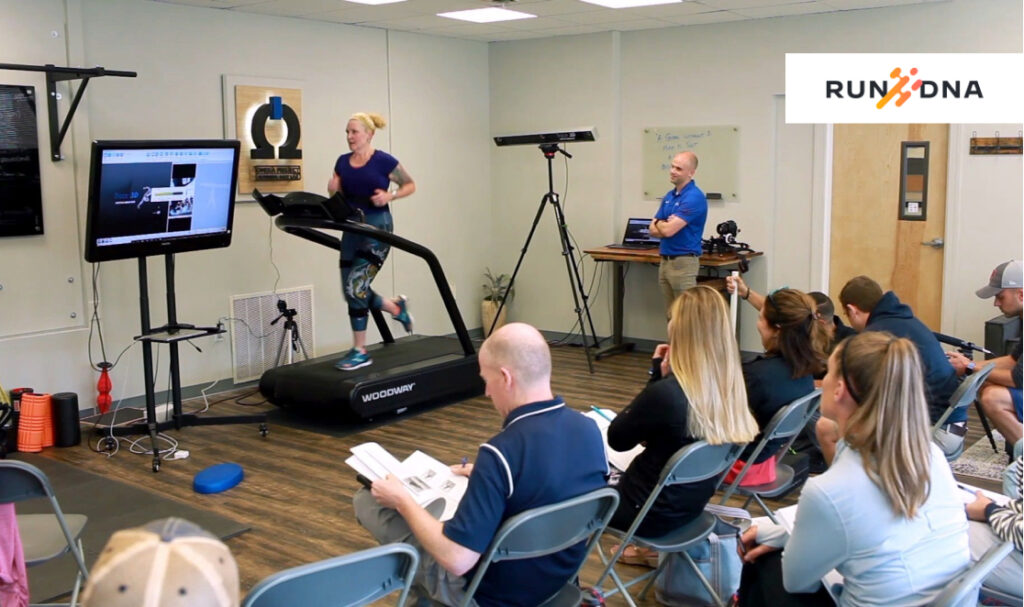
[
  {"x": 691, "y": 205},
  {"x": 545, "y": 453}
]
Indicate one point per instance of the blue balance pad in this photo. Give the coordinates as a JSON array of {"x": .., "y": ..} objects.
[{"x": 220, "y": 477}]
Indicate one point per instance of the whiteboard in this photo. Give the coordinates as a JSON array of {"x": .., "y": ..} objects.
[{"x": 718, "y": 152}]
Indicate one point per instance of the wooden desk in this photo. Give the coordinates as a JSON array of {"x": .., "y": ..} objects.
[{"x": 620, "y": 257}]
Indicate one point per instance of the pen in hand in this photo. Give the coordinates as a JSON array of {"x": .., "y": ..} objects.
[
  {"x": 465, "y": 460},
  {"x": 600, "y": 412}
]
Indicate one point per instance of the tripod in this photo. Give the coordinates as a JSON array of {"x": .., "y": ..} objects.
[
  {"x": 579, "y": 293},
  {"x": 290, "y": 334}
]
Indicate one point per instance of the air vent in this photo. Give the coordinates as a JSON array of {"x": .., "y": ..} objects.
[{"x": 255, "y": 342}]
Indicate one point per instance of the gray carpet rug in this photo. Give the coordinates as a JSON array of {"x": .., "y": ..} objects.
[
  {"x": 979, "y": 460},
  {"x": 110, "y": 505}
]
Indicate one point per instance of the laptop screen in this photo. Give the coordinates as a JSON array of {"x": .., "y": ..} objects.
[{"x": 637, "y": 232}]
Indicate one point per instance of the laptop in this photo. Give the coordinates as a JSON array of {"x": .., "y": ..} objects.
[{"x": 637, "y": 235}]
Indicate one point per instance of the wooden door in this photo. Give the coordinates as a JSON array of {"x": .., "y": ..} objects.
[{"x": 867, "y": 235}]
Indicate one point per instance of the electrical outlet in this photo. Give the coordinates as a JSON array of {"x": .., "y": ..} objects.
[{"x": 219, "y": 336}]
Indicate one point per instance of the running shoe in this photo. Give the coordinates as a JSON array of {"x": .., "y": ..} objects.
[
  {"x": 403, "y": 315},
  {"x": 354, "y": 360}
]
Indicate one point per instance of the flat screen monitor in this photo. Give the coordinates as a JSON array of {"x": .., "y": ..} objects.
[{"x": 155, "y": 197}]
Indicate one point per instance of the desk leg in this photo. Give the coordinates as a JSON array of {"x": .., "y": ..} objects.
[{"x": 619, "y": 289}]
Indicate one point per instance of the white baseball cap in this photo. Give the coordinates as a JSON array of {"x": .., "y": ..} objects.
[{"x": 169, "y": 562}]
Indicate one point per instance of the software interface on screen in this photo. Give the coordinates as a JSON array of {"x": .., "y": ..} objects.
[{"x": 158, "y": 194}]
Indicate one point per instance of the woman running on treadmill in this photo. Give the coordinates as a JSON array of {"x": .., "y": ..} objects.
[{"x": 364, "y": 178}]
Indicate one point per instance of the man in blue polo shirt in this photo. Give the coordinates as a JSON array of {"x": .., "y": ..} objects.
[
  {"x": 679, "y": 223},
  {"x": 545, "y": 453}
]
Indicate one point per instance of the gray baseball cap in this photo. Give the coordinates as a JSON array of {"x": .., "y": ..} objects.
[
  {"x": 166, "y": 563},
  {"x": 1008, "y": 275}
]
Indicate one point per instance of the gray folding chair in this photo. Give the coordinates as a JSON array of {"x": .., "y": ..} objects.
[
  {"x": 962, "y": 398},
  {"x": 546, "y": 530},
  {"x": 353, "y": 579},
  {"x": 786, "y": 424},
  {"x": 963, "y": 589},
  {"x": 44, "y": 537},
  {"x": 693, "y": 463}
]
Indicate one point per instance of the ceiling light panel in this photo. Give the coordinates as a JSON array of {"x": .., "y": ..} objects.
[{"x": 487, "y": 15}]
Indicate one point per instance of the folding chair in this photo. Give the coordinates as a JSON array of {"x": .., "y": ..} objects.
[
  {"x": 1002, "y": 597},
  {"x": 963, "y": 589},
  {"x": 546, "y": 530},
  {"x": 962, "y": 398},
  {"x": 44, "y": 537},
  {"x": 693, "y": 463},
  {"x": 786, "y": 423},
  {"x": 353, "y": 579}
]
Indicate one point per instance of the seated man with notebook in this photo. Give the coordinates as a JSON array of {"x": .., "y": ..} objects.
[{"x": 545, "y": 453}]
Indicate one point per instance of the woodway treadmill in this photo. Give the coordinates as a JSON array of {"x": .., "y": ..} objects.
[{"x": 406, "y": 373}]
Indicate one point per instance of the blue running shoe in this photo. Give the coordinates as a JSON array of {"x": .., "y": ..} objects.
[
  {"x": 353, "y": 360},
  {"x": 403, "y": 315}
]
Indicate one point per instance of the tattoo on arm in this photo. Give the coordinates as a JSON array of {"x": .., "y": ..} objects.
[{"x": 399, "y": 176}]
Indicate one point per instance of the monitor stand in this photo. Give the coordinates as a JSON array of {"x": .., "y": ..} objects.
[{"x": 172, "y": 334}]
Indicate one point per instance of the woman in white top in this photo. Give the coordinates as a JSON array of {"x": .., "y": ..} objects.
[{"x": 886, "y": 515}]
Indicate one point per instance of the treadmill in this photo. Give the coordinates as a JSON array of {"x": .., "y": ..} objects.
[{"x": 410, "y": 372}]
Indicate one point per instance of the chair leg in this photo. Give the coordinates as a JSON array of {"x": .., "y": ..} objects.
[
  {"x": 80, "y": 576},
  {"x": 654, "y": 578},
  {"x": 766, "y": 509},
  {"x": 986, "y": 426},
  {"x": 703, "y": 580}
]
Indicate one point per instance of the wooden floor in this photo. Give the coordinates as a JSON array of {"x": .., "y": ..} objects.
[{"x": 297, "y": 490}]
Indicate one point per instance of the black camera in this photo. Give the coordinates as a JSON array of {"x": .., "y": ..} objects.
[{"x": 727, "y": 228}]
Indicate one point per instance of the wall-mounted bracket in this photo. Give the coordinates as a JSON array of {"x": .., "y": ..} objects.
[{"x": 54, "y": 75}]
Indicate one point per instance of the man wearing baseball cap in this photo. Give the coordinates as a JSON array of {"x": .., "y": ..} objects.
[{"x": 1000, "y": 396}]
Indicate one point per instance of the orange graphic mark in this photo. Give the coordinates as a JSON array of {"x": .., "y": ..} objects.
[{"x": 897, "y": 89}]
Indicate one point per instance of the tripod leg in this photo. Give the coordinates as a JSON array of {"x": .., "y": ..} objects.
[
  {"x": 579, "y": 293},
  {"x": 519, "y": 263},
  {"x": 280, "y": 348}
]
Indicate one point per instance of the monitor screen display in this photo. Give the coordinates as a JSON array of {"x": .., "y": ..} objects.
[{"x": 155, "y": 197}]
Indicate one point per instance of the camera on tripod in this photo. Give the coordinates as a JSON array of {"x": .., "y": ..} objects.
[{"x": 285, "y": 312}]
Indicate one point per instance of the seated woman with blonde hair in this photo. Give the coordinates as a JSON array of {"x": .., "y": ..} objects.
[
  {"x": 698, "y": 394},
  {"x": 886, "y": 514}
]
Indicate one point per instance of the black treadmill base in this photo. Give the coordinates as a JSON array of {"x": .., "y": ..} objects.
[{"x": 412, "y": 372}]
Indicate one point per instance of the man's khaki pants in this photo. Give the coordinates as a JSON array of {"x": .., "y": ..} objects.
[{"x": 675, "y": 276}]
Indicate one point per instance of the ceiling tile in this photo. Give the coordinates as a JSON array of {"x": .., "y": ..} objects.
[
  {"x": 784, "y": 10},
  {"x": 295, "y": 8},
  {"x": 745, "y": 4},
  {"x": 705, "y": 18},
  {"x": 554, "y": 17}
]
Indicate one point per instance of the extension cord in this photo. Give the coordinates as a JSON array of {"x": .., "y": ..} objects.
[{"x": 163, "y": 412}]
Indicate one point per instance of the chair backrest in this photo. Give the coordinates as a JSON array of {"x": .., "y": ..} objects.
[
  {"x": 21, "y": 481},
  {"x": 353, "y": 579},
  {"x": 548, "y": 529},
  {"x": 786, "y": 423},
  {"x": 965, "y": 393},
  {"x": 963, "y": 589}
]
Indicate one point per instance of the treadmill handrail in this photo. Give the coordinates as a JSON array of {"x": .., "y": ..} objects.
[{"x": 309, "y": 228}]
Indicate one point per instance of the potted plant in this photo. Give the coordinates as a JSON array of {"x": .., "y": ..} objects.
[{"x": 496, "y": 288}]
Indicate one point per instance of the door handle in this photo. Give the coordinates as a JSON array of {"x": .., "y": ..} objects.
[{"x": 935, "y": 243}]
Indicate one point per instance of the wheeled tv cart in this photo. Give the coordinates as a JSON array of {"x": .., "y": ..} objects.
[
  {"x": 171, "y": 334},
  {"x": 406, "y": 373}
]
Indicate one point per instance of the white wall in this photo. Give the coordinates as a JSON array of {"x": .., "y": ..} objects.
[
  {"x": 984, "y": 226},
  {"x": 434, "y": 90},
  {"x": 711, "y": 75}
]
